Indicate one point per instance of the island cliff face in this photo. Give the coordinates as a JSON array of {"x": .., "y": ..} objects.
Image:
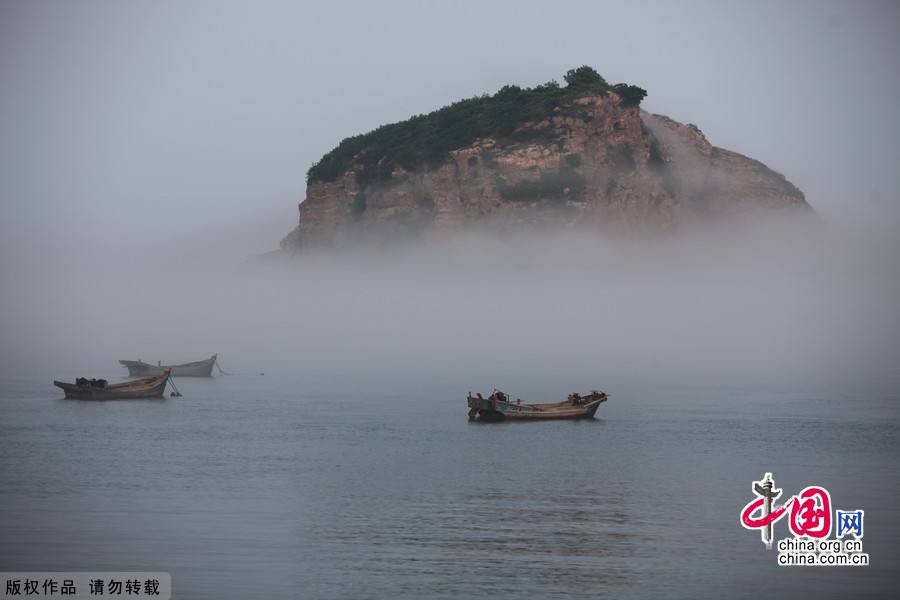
[{"x": 594, "y": 161}]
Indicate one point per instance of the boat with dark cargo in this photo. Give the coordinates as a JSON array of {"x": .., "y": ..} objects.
[
  {"x": 499, "y": 407},
  {"x": 200, "y": 368},
  {"x": 99, "y": 389}
]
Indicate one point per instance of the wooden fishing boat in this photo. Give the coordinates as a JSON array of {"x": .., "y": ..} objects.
[
  {"x": 200, "y": 368},
  {"x": 82, "y": 389},
  {"x": 499, "y": 407}
]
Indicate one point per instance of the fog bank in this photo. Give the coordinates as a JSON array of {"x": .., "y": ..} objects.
[{"x": 781, "y": 303}]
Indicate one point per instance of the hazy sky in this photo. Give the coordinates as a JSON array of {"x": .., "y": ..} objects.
[{"x": 171, "y": 120}]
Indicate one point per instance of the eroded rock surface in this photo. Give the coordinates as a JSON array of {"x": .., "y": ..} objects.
[{"x": 595, "y": 162}]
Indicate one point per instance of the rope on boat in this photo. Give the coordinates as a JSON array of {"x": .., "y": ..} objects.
[
  {"x": 220, "y": 368},
  {"x": 176, "y": 392}
]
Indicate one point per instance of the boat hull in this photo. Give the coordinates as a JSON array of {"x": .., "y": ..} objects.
[
  {"x": 150, "y": 387},
  {"x": 201, "y": 368},
  {"x": 492, "y": 409}
]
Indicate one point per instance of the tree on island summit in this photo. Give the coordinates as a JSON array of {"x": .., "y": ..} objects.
[{"x": 585, "y": 76}]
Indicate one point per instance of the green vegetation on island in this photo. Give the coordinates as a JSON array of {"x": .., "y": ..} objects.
[{"x": 424, "y": 141}]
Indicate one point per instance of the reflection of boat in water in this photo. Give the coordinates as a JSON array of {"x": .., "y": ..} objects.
[
  {"x": 200, "y": 368},
  {"x": 99, "y": 389},
  {"x": 499, "y": 407}
]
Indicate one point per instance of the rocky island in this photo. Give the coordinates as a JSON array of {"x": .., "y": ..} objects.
[{"x": 581, "y": 155}]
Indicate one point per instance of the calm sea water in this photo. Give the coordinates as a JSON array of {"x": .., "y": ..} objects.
[{"x": 333, "y": 487}]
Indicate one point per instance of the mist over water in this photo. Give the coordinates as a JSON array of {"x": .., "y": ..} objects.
[
  {"x": 770, "y": 302},
  {"x": 350, "y": 470}
]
